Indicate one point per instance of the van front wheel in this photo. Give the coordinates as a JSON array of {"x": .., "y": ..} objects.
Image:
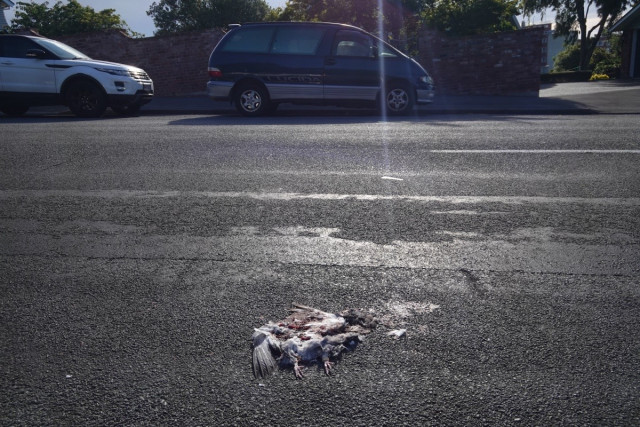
[
  {"x": 399, "y": 100},
  {"x": 252, "y": 100}
]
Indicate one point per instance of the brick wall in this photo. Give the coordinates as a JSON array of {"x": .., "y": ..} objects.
[
  {"x": 503, "y": 63},
  {"x": 177, "y": 64}
]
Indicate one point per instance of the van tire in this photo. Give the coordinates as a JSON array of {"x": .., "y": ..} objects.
[
  {"x": 399, "y": 99},
  {"x": 252, "y": 100}
]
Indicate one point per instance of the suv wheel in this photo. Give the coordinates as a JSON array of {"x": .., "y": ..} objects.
[
  {"x": 399, "y": 99},
  {"x": 252, "y": 100},
  {"x": 15, "y": 110},
  {"x": 86, "y": 99}
]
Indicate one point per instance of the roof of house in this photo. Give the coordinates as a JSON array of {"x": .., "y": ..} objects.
[
  {"x": 629, "y": 20},
  {"x": 6, "y": 3}
]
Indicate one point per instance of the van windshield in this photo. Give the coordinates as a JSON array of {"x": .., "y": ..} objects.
[
  {"x": 386, "y": 50},
  {"x": 358, "y": 44}
]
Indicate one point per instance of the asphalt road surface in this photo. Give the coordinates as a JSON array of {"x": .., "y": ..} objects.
[{"x": 138, "y": 254}]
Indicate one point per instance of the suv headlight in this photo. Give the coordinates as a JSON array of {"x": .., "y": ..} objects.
[{"x": 115, "y": 72}]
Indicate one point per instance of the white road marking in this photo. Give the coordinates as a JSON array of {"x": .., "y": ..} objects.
[
  {"x": 536, "y": 151},
  {"x": 112, "y": 194}
]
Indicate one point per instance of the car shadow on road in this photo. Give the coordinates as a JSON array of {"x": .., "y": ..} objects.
[
  {"x": 444, "y": 119},
  {"x": 292, "y": 118},
  {"x": 58, "y": 117},
  {"x": 450, "y": 108}
]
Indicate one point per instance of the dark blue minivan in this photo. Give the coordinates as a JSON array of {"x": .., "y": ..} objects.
[{"x": 258, "y": 66}]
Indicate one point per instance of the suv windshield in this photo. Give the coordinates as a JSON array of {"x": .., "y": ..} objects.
[{"x": 61, "y": 50}]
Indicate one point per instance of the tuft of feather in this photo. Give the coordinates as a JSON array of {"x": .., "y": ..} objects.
[{"x": 398, "y": 333}]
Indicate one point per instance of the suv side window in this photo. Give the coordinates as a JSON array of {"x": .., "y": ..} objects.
[
  {"x": 17, "y": 47},
  {"x": 353, "y": 43},
  {"x": 297, "y": 41},
  {"x": 250, "y": 40}
]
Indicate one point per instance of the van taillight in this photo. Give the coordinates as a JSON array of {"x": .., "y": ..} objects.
[{"x": 214, "y": 72}]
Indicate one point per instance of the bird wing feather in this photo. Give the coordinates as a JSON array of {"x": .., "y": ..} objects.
[
  {"x": 300, "y": 308},
  {"x": 264, "y": 345}
]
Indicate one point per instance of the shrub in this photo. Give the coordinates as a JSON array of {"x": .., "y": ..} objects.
[
  {"x": 605, "y": 62},
  {"x": 602, "y": 60},
  {"x": 568, "y": 59}
]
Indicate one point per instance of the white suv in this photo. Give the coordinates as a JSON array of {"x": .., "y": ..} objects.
[{"x": 39, "y": 71}]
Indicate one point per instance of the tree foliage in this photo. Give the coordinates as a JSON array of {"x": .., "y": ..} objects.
[
  {"x": 465, "y": 17},
  {"x": 456, "y": 17},
  {"x": 571, "y": 15},
  {"x": 568, "y": 59},
  {"x": 362, "y": 13},
  {"x": 396, "y": 21},
  {"x": 603, "y": 61},
  {"x": 69, "y": 18},
  {"x": 174, "y": 16}
]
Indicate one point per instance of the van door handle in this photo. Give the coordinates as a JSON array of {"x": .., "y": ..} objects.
[
  {"x": 330, "y": 61},
  {"x": 6, "y": 63}
]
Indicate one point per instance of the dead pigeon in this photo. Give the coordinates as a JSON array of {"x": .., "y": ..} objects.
[{"x": 306, "y": 336}]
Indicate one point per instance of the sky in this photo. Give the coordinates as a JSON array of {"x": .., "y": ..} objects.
[{"x": 134, "y": 12}]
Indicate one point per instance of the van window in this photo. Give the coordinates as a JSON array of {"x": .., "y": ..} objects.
[
  {"x": 297, "y": 41},
  {"x": 352, "y": 43},
  {"x": 249, "y": 40}
]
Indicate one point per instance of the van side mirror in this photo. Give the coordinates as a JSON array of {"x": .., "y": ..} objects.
[{"x": 36, "y": 53}]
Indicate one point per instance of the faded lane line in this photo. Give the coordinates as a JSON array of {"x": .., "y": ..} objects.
[
  {"x": 536, "y": 151},
  {"x": 112, "y": 194}
]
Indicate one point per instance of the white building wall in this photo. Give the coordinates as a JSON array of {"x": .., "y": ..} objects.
[
  {"x": 3, "y": 20},
  {"x": 4, "y": 5}
]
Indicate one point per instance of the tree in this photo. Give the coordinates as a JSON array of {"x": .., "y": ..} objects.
[
  {"x": 572, "y": 15},
  {"x": 465, "y": 17},
  {"x": 67, "y": 18},
  {"x": 401, "y": 18},
  {"x": 603, "y": 61},
  {"x": 361, "y": 13},
  {"x": 392, "y": 20},
  {"x": 568, "y": 59},
  {"x": 174, "y": 16}
]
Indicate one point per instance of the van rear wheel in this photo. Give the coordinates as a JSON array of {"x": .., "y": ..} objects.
[{"x": 252, "y": 100}]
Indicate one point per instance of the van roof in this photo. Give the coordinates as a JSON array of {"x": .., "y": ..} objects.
[{"x": 330, "y": 24}]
